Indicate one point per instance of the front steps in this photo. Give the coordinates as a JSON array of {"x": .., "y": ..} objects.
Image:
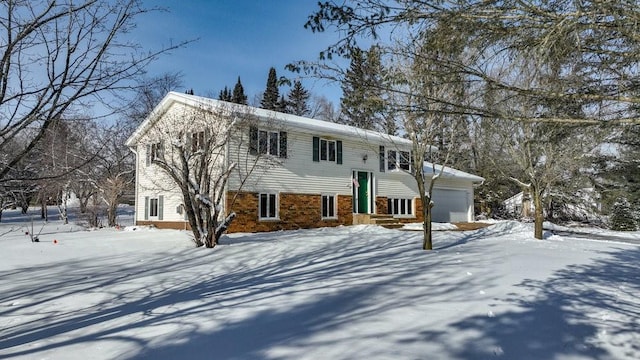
[{"x": 386, "y": 221}]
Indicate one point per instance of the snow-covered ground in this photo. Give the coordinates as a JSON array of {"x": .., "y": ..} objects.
[{"x": 358, "y": 292}]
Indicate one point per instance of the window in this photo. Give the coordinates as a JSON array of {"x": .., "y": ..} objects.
[
  {"x": 155, "y": 151},
  {"x": 327, "y": 150},
  {"x": 197, "y": 141},
  {"x": 268, "y": 206},
  {"x": 153, "y": 207},
  {"x": 267, "y": 142},
  {"x": 404, "y": 160},
  {"x": 398, "y": 160},
  {"x": 403, "y": 207},
  {"x": 392, "y": 159},
  {"x": 328, "y": 207}
]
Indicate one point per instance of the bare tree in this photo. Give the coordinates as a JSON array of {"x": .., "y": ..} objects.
[
  {"x": 149, "y": 92},
  {"x": 417, "y": 79},
  {"x": 323, "y": 109},
  {"x": 116, "y": 167},
  {"x": 199, "y": 149},
  {"x": 58, "y": 56}
]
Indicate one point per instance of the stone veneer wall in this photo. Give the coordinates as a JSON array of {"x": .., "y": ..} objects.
[
  {"x": 178, "y": 225},
  {"x": 296, "y": 211},
  {"x": 381, "y": 205}
]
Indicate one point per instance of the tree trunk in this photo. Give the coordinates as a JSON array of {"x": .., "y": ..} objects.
[
  {"x": 111, "y": 213},
  {"x": 539, "y": 213},
  {"x": 43, "y": 208},
  {"x": 427, "y": 243}
]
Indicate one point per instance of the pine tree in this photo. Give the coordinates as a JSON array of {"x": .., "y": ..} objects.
[
  {"x": 225, "y": 95},
  {"x": 239, "y": 97},
  {"x": 622, "y": 216},
  {"x": 283, "y": 105},
  {"x": 299, "y": 100},
  {"x": 361, "y": 103},
  {"x": 271, "y": 93}
]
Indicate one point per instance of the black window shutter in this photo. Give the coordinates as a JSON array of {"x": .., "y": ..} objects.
[
  {"x": 283, "y": 144},
  {"x": 316, "y": 149},
  {"x": 339, "y": 152},
  {"x": 381, "y": 156},
  {"x": 253, "y": 140}
]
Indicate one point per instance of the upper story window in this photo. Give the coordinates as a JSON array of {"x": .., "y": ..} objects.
[
  {"x": 267, "y": 142},
  {"x": 327, "y": 150},
  {"x": 398, "y": 160},
  {"x": 197, "y": 141},
  {"x": 155, "y": 151}
]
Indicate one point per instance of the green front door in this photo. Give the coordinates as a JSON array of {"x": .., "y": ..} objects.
[{"x": 363, "y": 192}]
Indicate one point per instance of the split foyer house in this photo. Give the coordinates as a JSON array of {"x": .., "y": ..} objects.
[{"x": 316, "y": 173}]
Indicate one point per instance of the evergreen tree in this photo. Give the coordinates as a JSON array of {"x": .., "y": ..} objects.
[
  {"x": 361, "y": 103},
  {"x": 283, "y": 105},
  {"x": 622, "y": 216},
  {"x": 225, "y": 95},
  {"x": 298, "y": 100},
  {"x": 239, "y": 97},
  {"x": 271, "y": 93}
]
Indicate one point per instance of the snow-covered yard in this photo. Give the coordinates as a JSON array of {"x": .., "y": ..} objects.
[{"x": 359, "y": 292}]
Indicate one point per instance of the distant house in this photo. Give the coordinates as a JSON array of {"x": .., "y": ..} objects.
[
  {"x": 583, "y": 204},
  {"x": 327, "y": 174}
]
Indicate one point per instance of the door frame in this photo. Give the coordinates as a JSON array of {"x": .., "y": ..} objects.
[{"x": 371, "y": 191}]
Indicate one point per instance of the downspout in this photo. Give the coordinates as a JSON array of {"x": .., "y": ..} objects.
[{"x": 135, "y": 199}]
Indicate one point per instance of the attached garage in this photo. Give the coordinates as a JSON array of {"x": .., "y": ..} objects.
[
  {"x": 450, "y": 205},
  {"x": 452, "y": 193}
]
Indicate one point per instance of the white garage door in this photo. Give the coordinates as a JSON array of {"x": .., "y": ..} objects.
[{"x": 450, "y": 205}]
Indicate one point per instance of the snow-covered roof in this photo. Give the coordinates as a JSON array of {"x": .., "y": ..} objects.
[
  {"x": 287, "y": 120},
  {"x": 431, "y": 169}
]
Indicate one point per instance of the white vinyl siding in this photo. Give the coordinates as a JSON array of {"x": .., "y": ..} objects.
[
  {"x": 300, "y": 174},
  {"x": 152, "y": 181}
]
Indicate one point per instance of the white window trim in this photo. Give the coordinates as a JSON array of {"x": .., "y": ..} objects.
[
  {"x": 277, "y": 209},
  {"x": 335, "y": 150},
  {"x": 152, "y": 200},
  {"x": 335, "y": 207},
  {"x": 407, "y": 201},
  {"x": 269, "y": 135},
  {"x": 397, "y": 161},
  {"x": 148, "y": 200},
  {"x": 197, "y": 140}
]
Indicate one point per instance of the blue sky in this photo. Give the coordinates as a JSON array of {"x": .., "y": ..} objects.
[{"x": 235, "y": 38}]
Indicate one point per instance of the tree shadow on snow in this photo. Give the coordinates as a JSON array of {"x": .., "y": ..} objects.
[
  {"x": 572, "y": 314},
  {"x": 178, "y": 289}
]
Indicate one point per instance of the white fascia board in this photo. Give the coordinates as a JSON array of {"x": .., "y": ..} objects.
[{"x": 449, "y": 173}]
